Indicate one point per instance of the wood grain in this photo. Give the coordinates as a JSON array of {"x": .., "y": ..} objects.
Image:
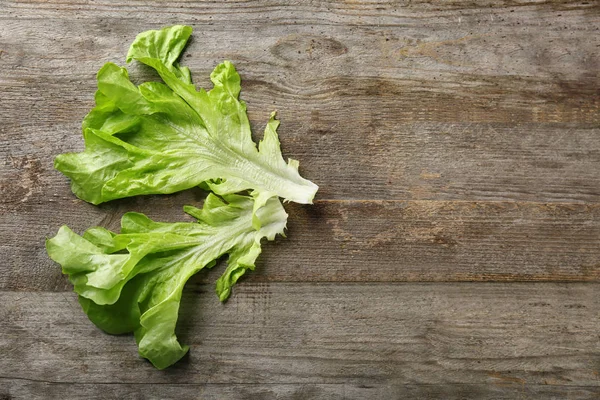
[
  {"x": 26, "y": 389},
  {"x": 360, "y": 241},
  {"x": 355, "y": 334},
  {"x": 452, "y": 141},
  {"x": 497, "y": 107}
]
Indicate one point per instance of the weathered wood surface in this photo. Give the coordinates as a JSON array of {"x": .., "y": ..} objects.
[
  {"x": 453, "y": 141},
  {"x": 353, "y": 334},
  {"x": 29, "y": 390},
  {"x": 501, "y": 106},
  {"x": 356, "y": 241}
]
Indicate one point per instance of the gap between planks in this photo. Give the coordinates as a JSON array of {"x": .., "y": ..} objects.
[
  {"x": 483, "y": 201},
  {"x": 251, "y": 285}
]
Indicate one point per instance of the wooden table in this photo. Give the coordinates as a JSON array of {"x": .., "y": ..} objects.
[{"x": 453, "y": 250}]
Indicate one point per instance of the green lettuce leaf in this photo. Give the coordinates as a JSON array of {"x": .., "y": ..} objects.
[
  {"x": 133, "y": 281},
  {"x": 167, "y": 137}
]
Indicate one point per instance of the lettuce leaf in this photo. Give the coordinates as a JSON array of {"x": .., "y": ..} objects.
[
  {"x": 133, "y": 281},
  {"x": 167, "y": 137}
]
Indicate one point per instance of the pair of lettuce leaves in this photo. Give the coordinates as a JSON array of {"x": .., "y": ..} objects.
[{"x": 162, "y": 138}]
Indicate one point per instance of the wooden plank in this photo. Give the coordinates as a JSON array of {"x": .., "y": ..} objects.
[
  {"x": 479, "y": 111},
  {"x": 23, "y": 389},
  {"x": 332, "y": 12},
  {"x": 503, "y": 335},
  {"x": 343, "y": 241},
  {"x": 421, "y": 162}
]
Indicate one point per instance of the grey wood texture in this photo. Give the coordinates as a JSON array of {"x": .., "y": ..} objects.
[
  {"x": 453, "y": 250},
  {"x": 357, "y": 241},
  {"x": 304, "y": 333},
  {"x": 342, "y": 391}
]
